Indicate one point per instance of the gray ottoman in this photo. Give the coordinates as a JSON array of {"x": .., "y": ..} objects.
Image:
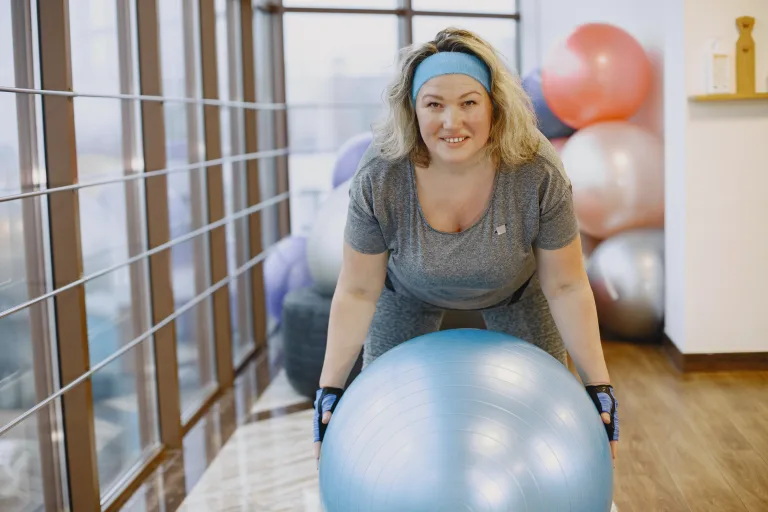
[{"x": 305, "y": 330}]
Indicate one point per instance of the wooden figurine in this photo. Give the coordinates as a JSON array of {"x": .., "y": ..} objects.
[{"x": 745, "y": 56}]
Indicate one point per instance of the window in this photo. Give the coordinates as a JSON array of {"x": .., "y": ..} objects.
[
  {"x": 484, "y": 6},
  {"x": 228, "y": 47},
  {"x": 112, "y": 231},
  {"x": 332, "y": 60},
  {"x": 343, "y": 4},
  {"x": 23, "y": 358},
  {"x": 181, "y": 77},
  {"x": 500, "y": 33}
]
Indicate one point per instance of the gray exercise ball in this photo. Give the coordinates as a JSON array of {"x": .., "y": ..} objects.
[
  {"x": 626, "y": 273},
  {"x": 325, "y": 244}
]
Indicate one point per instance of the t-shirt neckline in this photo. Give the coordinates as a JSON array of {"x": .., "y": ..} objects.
[{"x": 415, "y": 198}]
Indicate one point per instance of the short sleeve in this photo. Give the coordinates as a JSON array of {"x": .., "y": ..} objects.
[
  {"x": 557, "y": 219},
  {"x": 363, "y": 231}
]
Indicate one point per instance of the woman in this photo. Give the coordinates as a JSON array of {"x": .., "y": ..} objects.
[{"x": 461, "y": 203}]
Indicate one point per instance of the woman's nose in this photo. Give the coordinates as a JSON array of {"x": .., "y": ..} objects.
[{"x": 451, "y": 118}]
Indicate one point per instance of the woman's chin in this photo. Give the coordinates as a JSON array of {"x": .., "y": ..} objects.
[{"x": 456, "y": 156}]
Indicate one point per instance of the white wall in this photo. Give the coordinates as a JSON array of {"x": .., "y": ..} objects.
[
  {"x": 724, "y": 243},
  {"x": 716, "y": 161},
  {"x": 675, "y": 200}
]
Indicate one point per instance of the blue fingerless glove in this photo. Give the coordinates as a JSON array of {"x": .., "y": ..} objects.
[
  {"x": 326, "y": 399},
  {"x": 604, "y": 399}
]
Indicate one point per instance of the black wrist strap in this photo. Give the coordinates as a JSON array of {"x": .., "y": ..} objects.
[
  {"x": 337, "y": 392},
  {"x": 605, "y": 400}
]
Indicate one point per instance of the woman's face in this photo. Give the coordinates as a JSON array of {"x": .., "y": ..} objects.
[{"x": 454, "y": 114}]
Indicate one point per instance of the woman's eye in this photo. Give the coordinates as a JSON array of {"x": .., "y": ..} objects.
[
  {"x": 433, "y": 104},
  {"x": 469, "y": 102}
]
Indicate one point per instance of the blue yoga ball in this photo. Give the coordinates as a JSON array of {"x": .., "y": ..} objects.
[
  {"x": 549, "y": 124},
  {"x": 466, "y": 419}
]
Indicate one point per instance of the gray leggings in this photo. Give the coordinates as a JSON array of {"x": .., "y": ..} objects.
[{"x": 399, "y": 318}]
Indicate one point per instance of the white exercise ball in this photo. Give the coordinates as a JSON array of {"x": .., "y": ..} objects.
[
  {"x": 325, "y": 244},
  {"x": 616, "y": 170}
]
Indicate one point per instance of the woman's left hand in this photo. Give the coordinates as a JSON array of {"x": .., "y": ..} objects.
[{"x": 608, "y": 406}]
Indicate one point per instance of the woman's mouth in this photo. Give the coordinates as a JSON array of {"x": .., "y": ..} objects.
[{"x": 453, "y": 141}]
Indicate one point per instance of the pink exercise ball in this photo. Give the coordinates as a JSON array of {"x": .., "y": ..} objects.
[
  {"x": 598, "y": 73},
  {"x": 617, "y": 172}
]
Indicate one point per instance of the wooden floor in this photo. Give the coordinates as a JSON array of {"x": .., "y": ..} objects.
[{"x": 693, "y": 442}]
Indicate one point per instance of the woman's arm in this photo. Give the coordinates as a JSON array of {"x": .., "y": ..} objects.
[
  {"x": 566, "y": 286},
  {"x": 354, "y": 303}
]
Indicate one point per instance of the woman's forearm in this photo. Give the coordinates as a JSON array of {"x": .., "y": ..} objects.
[
  {"x": 351, "y": 316},
  {"x": 573, "y": 310}
]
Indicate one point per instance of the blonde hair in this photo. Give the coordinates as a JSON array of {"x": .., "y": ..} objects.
[{"x": 514, "y": 138}]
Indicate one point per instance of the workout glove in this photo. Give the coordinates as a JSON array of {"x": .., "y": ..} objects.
[
  {"x": 326, "y": 399},
  {"x": 605, "y": 401}
]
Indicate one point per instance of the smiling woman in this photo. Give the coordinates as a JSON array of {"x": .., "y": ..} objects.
[{"x": 461, "y": 204}]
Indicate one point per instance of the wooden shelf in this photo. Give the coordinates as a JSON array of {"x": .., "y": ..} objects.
[{"x": 730, "y": 97}]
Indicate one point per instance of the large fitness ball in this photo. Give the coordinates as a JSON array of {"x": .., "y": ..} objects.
[
  {"x": 598, "y": 73},
  {"x": 348, "y": 157},
  {"x": 626, "y": 273},
  {"x": 325, "y": 244},
  {"x": 617, "y": 173},
  {"x": 466, "y": 419}
]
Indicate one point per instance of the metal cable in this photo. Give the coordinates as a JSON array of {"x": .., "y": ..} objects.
[
  {"x": 146, "y": 97},
  {"x": 247, "y": 105},
  {"x": 271, "y": 153},
  {"x": 186, "y": 307},
  {"x": 192, "y": 234}
]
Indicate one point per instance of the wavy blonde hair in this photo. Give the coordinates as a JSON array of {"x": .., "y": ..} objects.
[{"x": 514, "y": 138}]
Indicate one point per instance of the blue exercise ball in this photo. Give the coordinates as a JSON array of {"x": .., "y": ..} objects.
[
  {"x": 348, "y": 157},
  {"x": 549, "y": 124},
  {"x": 466, "y": 419}
]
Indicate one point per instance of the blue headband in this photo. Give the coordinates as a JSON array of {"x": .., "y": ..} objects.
[{"x": 450, "y": 63}]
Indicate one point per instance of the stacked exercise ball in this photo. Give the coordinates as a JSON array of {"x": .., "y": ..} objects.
[
  {"x": 466, "y": 419},
  {"x": 285, "y": 269},
  {"x": 598, "y": 73},
  {"x": 589, "y": 87}
]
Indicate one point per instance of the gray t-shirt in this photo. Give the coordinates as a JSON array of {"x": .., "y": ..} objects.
[{"x": 480, "y": 267}]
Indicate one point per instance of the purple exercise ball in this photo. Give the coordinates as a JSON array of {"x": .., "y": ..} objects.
[
  {"x": 349, "y": 156},
  {"x": 299, "y": 276},
  {"x": 288, "y": 253}
]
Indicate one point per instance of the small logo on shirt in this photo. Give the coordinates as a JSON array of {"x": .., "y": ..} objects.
[{"x": 500, "y": 230}]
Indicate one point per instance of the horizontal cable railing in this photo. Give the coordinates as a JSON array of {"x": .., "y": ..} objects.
[
  {"x": 192, "y": 234},
  {"x": 246, "y": 105},
  {"x": 140, "y": 175},
  {"x": 136, "y": 341}
]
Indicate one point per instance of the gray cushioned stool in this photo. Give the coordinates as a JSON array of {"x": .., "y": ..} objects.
[{"x": 305, "y": 331}]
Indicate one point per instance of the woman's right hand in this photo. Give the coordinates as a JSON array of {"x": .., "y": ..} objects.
[{"x": 326, "y": 400}]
